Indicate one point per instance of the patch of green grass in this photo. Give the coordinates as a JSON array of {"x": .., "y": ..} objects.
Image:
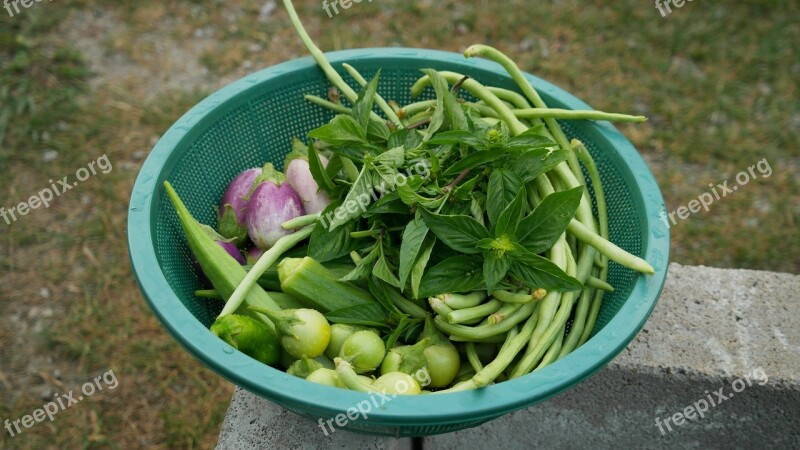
[{"x": 39, "y": 84}]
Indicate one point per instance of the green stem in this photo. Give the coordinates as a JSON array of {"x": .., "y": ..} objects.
[
  {"x": 599, "y": 192},
  {"x": 479, "y": 91},
  {"x": 378, "y": 99},
  {"x": 519, "y": 297},
  {"x": 461, "y": 301},
  {"x": 547, "y": 311},
  {"x": 472, "y": 357},
  {"x": 266, "y": 260},
  {"x": 554, "y": 352},
  {"x": 528, "y": 90},
  {"x": 509, "y": 351},
  {"x": 570, "y": 114},
  {"x": 566, "y": 114},
  {"x": 317, "y": 54},
  {"x": 578, "y": 323},
  {"x": 365, "y": 233},
  {"x": 496, "y": 339},
  {"x": 476, "y": 312},
  {"x": 597, "y": 302},
  {"x": 415, "y": 108},
  {"x": 335, "y": 107},
  {"x": 439, "y": 307},
  {"x": 597, "y": 283},
  {"x": 299, "y": 222},
  {"x": 504, "y": 311},
  {"x": 207, "y": 293},
  {"x": 485, "y": 331},
  {"x": 609, "y": 249},
  {"x": 319, "y": 57},
  {"x": 510, "y": 96},
  {"x": 350, "y": 378}
]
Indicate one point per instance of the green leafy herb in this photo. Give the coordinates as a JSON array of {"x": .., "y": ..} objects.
[
  {"x": 539, "y": 230},
  {"x": 460, "y": 273},
  {"x": 535, "y": 272},
  {"x": 504, "y": 185},
  {"x": 410, "y": 247},
  {"x": 341, "y": 130},
  {"x": 461, "y": 233}
]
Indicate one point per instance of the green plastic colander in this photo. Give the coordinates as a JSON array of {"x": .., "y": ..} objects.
[{"x": 253, "y": 120}]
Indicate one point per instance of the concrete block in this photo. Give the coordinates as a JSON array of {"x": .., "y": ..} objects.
[
  {"x": 256, "y": 423},
  {"x": 710, "y": 329},
  {"x": 717, "y": 365}
]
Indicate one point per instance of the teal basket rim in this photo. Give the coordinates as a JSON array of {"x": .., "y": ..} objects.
[{"x": 405, "y": 411}]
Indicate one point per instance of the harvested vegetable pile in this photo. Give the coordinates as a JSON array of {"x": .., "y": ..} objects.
[{"x": 448, "y": 243}]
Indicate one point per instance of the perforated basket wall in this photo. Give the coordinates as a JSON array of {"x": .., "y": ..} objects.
[{"x": 253, "y": 121}]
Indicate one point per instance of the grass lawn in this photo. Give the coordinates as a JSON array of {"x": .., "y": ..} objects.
[{"x": 83, "y": 79}]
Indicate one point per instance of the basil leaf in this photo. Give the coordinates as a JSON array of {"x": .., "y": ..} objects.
[
  {"x": 366, "y": 98},
  {"x": 364, "y": 267},
  {"x": 456, "y": 274},
  {"x": 462, "y": 191},
  {"x": 334, "y": 166},
  {"x": 418, "y": 271},
  {"x": 384, "y": 179},
  {"x": 318, "y": 171},
  {"x": 326, "y": 244},
  {"x": 410, "y": 197},
  {"x": 536, "y": 272},
  {"x": 503, "y": 188},
  {"x": 377, "y": 129},
  {"x": 380, "y": 290},
  {"x": 453, "y": 112},
  {"x": 398, "y": 138},
  {"x": 532, "y": 138},
  {"x": 437, "y": 119},
  {"x": 510, "y": 217},
  {"x": 402, "y": 327},
  {"x": 350, "y": 169},
  {"x": 341, "y": 130},
  {"x": 393, "y": 158},
  {"x": 474, "y": 160},
  {"x": 540, "y": 229},
  {"x": 460, "y": 233},
  {"x": 453, "y": 117},
  {"x": 531, "y": 164},
  {"x": 385, "y": 272},
  {"x": 388, "y": 204},
  {"x": 368, "y": 314},
  {"x": 458, "y": 137},
  {"x": 350, "y": 207},
  {"x": 477, "y": 207},
  {"x": 495, "y": 268},
  {"x": 413, "y": 237}
]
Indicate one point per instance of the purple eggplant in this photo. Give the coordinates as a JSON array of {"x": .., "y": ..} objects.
[
  {"x": 299, "y": 175},
  {"x": 252, "y": 255},
  {"x": 233, "y": 208},
  {"x": 272, "y": 202},
  {"x": 225, "y": 244},
  {"x": 233, "y": 251}
]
